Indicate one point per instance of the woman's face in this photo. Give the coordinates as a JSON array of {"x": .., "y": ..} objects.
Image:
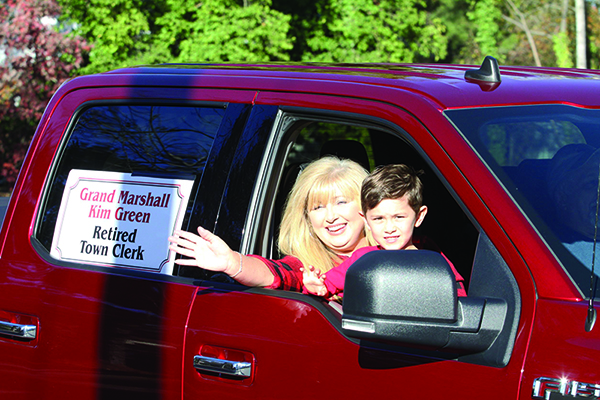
[{"x": 338, "y": 223}]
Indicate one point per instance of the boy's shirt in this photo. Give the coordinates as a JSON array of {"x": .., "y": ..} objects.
[{"x": 334, "y": 278}]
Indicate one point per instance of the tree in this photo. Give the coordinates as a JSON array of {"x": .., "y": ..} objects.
[
  {"x": 375, "y": 31},
  {"x": 35, "y": 58},
  {"x": 486, "y": 17},
  {"x": 520, "y": 21},
  {"x": 525, "y": 32},
  {"x": 132, "y": 32},
  {"x": 459, "y": 29},
  {"x": 121, "y": 32},
  {"x": 593, "y": 29},
  {"x": 223, "y": 30},
  {"x": 564, "y": 56}
]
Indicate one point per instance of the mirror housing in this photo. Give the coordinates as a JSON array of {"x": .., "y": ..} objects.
[{"x": 410, "y": 297}]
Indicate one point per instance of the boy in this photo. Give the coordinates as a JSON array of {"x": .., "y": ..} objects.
[{"x": 392, "y": 205}]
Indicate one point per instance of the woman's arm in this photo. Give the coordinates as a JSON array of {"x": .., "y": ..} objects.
[{"x": 209, "y": 251}]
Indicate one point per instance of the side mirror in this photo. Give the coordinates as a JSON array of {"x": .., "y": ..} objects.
[{"x": 410, "y": 297}]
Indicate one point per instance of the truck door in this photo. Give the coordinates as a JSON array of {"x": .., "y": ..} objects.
[
  {"x": 260, "y": 343},
  {"x": 89, "y": 305}
]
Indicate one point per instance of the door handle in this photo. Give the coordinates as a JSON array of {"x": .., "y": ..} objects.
[
  {"x": 22, "y": 331},
  {"x": 216, "y": 365}
]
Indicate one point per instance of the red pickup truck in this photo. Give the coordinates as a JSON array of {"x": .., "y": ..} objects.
[{"x": 92, "y": 305}]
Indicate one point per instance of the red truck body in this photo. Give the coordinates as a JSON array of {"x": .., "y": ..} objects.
[{"x": 102, "y": 330}]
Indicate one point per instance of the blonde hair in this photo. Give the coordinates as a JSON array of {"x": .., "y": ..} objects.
[{"x": 318, "y": 182}]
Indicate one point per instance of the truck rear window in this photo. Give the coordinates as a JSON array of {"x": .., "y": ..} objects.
[{"x": 122, "y": 182}]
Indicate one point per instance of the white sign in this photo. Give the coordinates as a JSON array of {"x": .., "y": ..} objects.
[{"x": 120, "y": 220}]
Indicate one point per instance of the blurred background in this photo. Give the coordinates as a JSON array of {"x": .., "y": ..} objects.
[{"x": 45, "y": 42}]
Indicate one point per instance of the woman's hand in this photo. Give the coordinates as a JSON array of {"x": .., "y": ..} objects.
[
  {"x": 204, "y": 250},
  {"x": 314, "y": 281}
]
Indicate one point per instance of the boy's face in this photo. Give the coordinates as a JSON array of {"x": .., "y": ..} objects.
[{"x": 392, "y": 223}]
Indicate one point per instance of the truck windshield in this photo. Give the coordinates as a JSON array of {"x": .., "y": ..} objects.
[{"x": 548, "y": 157}]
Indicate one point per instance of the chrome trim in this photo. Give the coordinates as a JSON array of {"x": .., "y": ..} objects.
[
  {"x": 543, "y": 387},
  {"x": 232, "y": 368},
  {"x": 258, "y": 200},
  {"x": 18, "y": 330},
  {"x": 359, "y": 326}
]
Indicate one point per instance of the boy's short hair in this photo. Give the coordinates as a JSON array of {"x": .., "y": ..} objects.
[{"x": 392, "y": 182}]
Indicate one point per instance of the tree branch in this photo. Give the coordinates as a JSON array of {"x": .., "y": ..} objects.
[{"x": 525, "y": 28}]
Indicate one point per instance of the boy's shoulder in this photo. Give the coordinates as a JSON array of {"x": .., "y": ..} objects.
[{"x": 364, "y": 250}]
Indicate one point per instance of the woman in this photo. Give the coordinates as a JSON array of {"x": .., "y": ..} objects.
[{"x": 321, "y": 226}]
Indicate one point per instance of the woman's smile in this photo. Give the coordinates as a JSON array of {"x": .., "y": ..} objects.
[{"x": 336, "y": 229}]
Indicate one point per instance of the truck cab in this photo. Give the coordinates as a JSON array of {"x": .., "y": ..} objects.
[{"x": 92, "y": 304}]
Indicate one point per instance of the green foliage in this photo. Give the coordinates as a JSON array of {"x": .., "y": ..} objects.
[
  {"x": 130, "y": 32},
  {"x": 219, "y": 31},
  {"x": 564, "y": 56},
  {"x": 127, "y": 32},
  {"x": 593, "y": 29},
  {"x": 120, "y": 30},
  {"x": 485, "y": 15},
  {"x": 367, "y": 31},
  {"x": 459, "y": 30}
]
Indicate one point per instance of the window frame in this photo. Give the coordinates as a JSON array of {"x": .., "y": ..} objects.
[
  {"x": 60, "y": 153},
  {"x": 258, "y": 234}
]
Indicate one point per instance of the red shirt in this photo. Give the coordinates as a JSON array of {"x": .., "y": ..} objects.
[
  {"x": 287, "y": 275},
  {"x": 334, "y": 278}
]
